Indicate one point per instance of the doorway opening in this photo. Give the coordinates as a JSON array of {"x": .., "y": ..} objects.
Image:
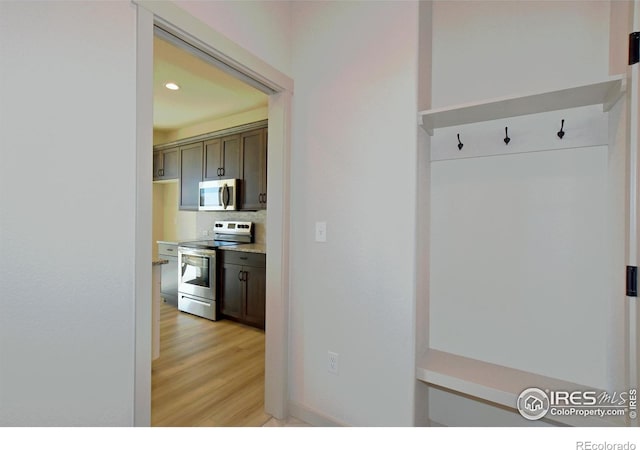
[
  {"x": 206, "y": 42},
  {"x": 208, "y": 373}
]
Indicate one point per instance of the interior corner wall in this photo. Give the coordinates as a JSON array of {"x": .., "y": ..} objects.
[
  {"x": 67, "y": 230},
  {"x": 353, "y": 167},
  {"x": 488, "y": 49}
]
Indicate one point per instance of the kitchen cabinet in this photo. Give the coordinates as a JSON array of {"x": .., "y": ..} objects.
[
  {"x": 253, "y": 191},
  {"x": 243, "y": 287},
  {"x": 169, "y": 285},
  {"x": 165, "y": 164},
  {"x": 222, "y": 158},
  {"x": 190, "y": 175},
  {"x": 241, "y": 155}
]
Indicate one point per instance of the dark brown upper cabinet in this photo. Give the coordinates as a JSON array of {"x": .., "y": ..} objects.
[
  {"x": 239, "y": 155},
  {"x": 253, "y": 190},
  {"x": 165, "y": 164},
  {"x": 222, "y": 158},
  {"x": 190, "y": 175}
]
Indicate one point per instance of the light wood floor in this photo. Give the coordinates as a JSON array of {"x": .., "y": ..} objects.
[{"x": 208, "y": 373}]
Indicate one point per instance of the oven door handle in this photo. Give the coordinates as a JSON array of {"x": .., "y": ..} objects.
[{"x": 193, "y": 300}]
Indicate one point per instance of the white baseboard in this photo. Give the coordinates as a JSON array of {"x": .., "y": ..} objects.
[
  {"x": 433, "y": 423},
  {"x": 313, "y": 417}
]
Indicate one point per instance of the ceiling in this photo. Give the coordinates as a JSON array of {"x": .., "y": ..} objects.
[{"x": 205, "y": 93}]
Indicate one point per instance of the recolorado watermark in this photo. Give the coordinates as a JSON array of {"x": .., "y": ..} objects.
[
  {"x": 589, "y": 445},
  {"x": 534, "y": 403}
]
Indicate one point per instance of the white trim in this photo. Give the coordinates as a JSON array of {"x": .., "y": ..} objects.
[
  {"x": 184, "y": 25},
  {"x": 633, "y": 189},
  {"x": 278, "y": 220},
  {"x": 433, "y": 423},
  {"x": 190, "y": 29},
  {"x": 143, "y": 218},
  {"x": 206, "y": 57},
  {"x": 313, "y": 417}
]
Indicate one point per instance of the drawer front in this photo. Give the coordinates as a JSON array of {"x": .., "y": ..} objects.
[
  {"x": 244, "y": 258},
  {"x": 197, "y": 306},
  {"x": 168, "y": 249}
]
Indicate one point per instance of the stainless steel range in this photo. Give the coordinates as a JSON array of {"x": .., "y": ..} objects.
[{"x": 197, "y": 267}]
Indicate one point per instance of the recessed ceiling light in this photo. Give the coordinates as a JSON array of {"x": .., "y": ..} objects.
[{"x": 172, "y": 86}]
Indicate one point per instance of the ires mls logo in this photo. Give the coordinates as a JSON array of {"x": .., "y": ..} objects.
[{"x": 534, "y": 403}]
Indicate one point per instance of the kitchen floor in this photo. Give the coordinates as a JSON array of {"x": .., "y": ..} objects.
[{"x": 208, "y": 374}]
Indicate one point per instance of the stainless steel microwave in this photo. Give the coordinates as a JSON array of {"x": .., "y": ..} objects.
[{"x": 218, "y": 195}]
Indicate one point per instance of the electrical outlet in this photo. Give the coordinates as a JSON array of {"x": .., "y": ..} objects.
[
  {"x": 332, "y": 363},
  {"x": 321, "y": 231}
]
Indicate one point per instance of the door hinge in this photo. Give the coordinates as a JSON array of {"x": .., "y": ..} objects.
[
  {"x": 634, "y": 47},
  {"x": 632, "y": 281}
]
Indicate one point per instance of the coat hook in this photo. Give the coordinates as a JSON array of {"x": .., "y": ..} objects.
[
  {"x": 460, "y": 144},
  {"x": 507, "y": 139},
  {"x": 561, "y": 133}
]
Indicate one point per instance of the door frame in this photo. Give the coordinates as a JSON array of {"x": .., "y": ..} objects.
[
  {"x": 633, "y": 208},
  {"x": 188, "y": 28}
]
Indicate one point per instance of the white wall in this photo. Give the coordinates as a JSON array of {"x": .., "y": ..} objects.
[
  {"x": 353, "y": 166},
  {"x": 262, "y": 27},
  {"x": 487, "y": 49},
  {"x": 490, "y": 49},
  {"x": 67, "y": 131},
  {"x": 67, "y": 265}
]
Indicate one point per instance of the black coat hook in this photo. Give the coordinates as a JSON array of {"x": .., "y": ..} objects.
[
  {"x": 460, "y": 144},
  {"x": 561, "y": 133},
  {"x": 507, "y": 139}
]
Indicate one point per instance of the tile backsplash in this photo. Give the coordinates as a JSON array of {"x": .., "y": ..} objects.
[{"x": 206, "y": 219}]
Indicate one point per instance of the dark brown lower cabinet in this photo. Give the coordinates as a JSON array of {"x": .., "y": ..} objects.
[{"x": 242, "y": 281}]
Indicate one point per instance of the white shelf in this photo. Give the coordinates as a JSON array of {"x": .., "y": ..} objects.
[
  {"x": 605, "y": 92},
  {"x": 496, "y": 384}
]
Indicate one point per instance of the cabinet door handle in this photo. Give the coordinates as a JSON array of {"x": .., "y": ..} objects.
[
  {"x": 225, "y": 196},
  {"x": 222, "y": 171},
  {"x": 244, "y": 276},
  {"x": 161, "y": 172},
  {"x": 240, "y": 276}
]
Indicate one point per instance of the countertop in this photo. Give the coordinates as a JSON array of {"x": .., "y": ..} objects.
[
  {"x": 159, "y": 262},
  {"x": 176, "y": 242},
  {"x": 249, "y": 248}
]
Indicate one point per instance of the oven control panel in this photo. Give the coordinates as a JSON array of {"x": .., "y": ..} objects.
[{"x": 233, "y": 230}]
